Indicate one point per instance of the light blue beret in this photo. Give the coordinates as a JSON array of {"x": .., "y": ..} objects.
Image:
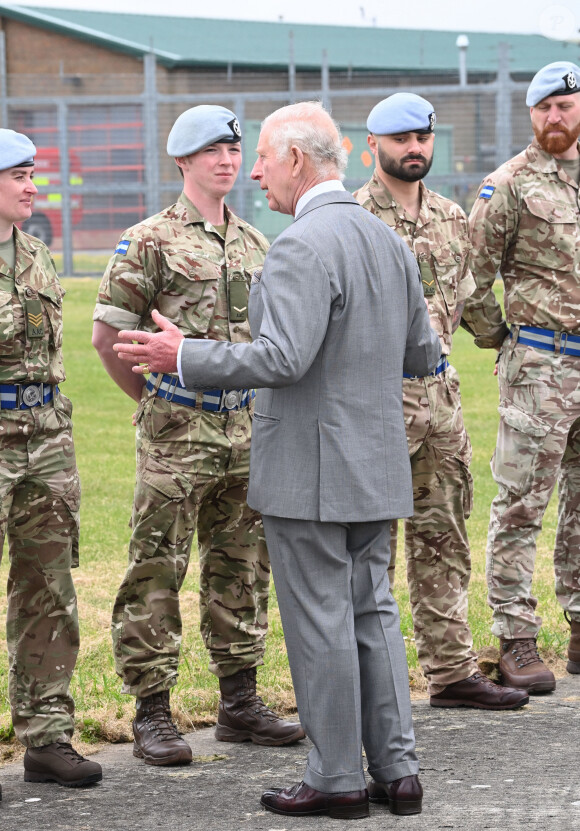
[
  {"x": 16, "y": 150},
  {"x": 560, "y": 78},
  {"x": 200, "y": 126},
  {"x": 402, "y": 112}
]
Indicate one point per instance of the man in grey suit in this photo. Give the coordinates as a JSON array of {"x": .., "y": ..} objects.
[{"x": 337, "y": 315}]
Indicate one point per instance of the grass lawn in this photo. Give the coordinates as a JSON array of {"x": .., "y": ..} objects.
[{"x": 104, "y": 439}]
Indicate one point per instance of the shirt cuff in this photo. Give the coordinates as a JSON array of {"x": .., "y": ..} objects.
[{"x": 179, "y": 363}]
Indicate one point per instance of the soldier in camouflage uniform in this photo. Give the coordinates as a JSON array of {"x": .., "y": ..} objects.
[
  {"x": 436, "y": 545},
  {"x": 525, "y": 223},
  {"x": 193, "y": 262},
  {"x": 39, "y": 487}
]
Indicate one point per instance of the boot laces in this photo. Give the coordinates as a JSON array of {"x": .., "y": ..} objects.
[
  {"x": 480, "y": 678},
  {"x": 157, "y": 717},
  {"x": 526, "y": 652},
  {"x": 68, "y": 750},
  {"x": 248, "y": 699}
]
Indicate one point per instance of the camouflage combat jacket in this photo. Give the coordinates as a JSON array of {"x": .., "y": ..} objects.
[
  {"x": 30, "y": 316},
  {"x": 175, "y": 262},
  {"x": 439, "y": 239},
  {"x": 525, "y": 223}
]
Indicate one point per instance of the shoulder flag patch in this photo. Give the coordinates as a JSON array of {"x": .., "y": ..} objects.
[
  {"x": 487, "y": 192},
  {"x": 123, "y": 246}
]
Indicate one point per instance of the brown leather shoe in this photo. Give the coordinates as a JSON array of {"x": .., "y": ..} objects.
[
  {"x": 243, "y": 716},
  {"x": 157, "y": 739},
  {"x": 59, "y": 762},
  {"x": 573, "y": 665},
  {"x": 479, "y": 692},
  {"x": 521, "y": 666},
  {"x": 403, "y": 796},
  {"x": 303, "y": 801}
]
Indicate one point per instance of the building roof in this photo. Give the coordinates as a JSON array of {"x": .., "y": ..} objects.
[{"x": 187, "y": 41}]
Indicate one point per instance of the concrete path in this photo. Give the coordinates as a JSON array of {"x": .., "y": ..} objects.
[{"x": 480, "y": 770}]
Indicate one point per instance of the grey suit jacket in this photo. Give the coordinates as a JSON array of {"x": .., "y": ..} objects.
[{"x": 337, "y": 316}]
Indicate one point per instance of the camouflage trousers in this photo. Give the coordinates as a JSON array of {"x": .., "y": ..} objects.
[
  {"x": 436, "y": 544},
  {"x": 192, "y": 473},
  {"x": 39, "y": 504},
  {"x": 538, "y": 445}
]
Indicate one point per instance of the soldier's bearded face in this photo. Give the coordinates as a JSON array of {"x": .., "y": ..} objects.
[
  {"x": 16, "y": 194},
  {"x": 556, "y": 122},
  {"x": 557, "y": 142},
  {"x": 407, "y": 156}
]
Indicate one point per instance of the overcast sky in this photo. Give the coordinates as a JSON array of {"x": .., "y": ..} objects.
[{"x": 560, "y": 20}]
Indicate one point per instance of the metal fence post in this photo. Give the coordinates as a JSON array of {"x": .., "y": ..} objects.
[
  {"x": 325, "y": 82},
  {"x": 66, "y": 201},
  {"x": 503, "y": 108},
  {"x": 151, "y": 137},
  {"x": 3, "y": 82},
  {"x": 240, "y": 187},
  {"x": 291, "y": 68}
]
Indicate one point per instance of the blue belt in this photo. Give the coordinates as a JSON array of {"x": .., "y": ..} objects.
[
  {"x": 442, "y": 365},
  {"x": 546, "y": 338},
  {"x": 25, "y": 396},
  {"x": 216, "y": 401}
]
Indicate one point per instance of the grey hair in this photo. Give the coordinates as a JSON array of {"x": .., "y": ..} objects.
[{"x": 304, "y": 125}]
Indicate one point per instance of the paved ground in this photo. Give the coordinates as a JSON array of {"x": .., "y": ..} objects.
[{"x": 480, "y": 770}]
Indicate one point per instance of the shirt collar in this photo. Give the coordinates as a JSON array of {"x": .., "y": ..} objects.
[
  {"x": 321, "y": 187},
  {"x": 384, "y": 198}
]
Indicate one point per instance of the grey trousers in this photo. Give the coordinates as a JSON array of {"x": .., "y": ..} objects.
[{"x": 345, "y": 649}]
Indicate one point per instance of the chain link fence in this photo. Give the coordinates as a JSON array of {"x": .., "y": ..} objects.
[{"x": 101, "y": 163}]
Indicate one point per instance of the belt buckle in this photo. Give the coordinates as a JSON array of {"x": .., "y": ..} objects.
[
  {"x": 30, "y": 394},
  {"x": 231, "y": 400}
]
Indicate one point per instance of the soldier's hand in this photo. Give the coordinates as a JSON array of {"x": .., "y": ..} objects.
[{"x": 154, "y": 351}]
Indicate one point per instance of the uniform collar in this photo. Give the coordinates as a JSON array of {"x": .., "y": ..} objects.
[
  {"x": 384, "y": 198},
  {"x": 547, "y": 163},
  {"x": 192, "y": 216},
  {"x": 26, "y": 248}
]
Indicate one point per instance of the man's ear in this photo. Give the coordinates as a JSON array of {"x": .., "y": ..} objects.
[
  {"x": 372, "y": 143},
  {"x": 297, "y": 160}
]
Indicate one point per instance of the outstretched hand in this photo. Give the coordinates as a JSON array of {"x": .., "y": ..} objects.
[{"x": 154, "y": 351}]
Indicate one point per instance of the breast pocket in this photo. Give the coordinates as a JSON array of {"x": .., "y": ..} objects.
[
  {"x": 193, "y": 290},
  {"x": 51, "y": 299},
  {"x": 449, "y": 262},
  {"x": 548, "y": 234}
]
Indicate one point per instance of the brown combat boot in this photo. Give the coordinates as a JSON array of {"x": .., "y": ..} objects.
[
  {"x": 243, "y": 716},
  {"x": 59, "y": 762},
  {"x": 522, "y": 667},
  {"x": 157, "y": 739},
  {"x": 573, "y": 665}
]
